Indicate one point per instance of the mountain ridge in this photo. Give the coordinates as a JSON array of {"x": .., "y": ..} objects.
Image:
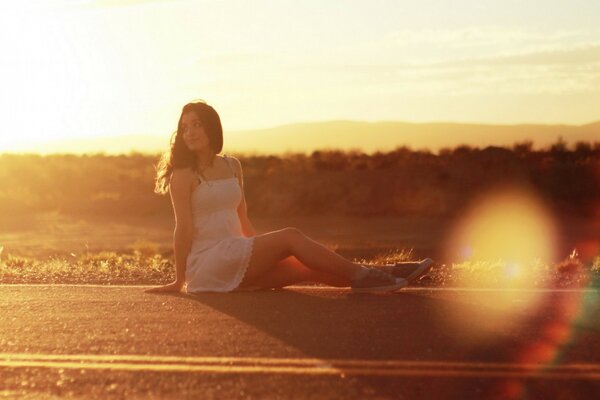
[{"x": 367, "y": 136}]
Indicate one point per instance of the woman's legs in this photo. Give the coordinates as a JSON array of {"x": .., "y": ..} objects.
[
  {"x": 271, "y": 249},
  {"x": 291, "y": 271}
]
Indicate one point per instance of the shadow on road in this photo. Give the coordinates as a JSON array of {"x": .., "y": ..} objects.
[
  {"x": 411, "y": 327},
  {"x": 397, "y": 326},
  {"x": 400, "y": 326}
]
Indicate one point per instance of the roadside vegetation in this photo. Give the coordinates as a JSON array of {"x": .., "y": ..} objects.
[
  {"x": 396, "y": 183},
  {"x": 145, "y": 267},
  {"x": 399, "y": 183}
]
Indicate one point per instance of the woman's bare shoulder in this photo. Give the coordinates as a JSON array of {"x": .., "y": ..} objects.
[
  {"x": 235, "y": 161},
  {"x": 182, "y": 177}
]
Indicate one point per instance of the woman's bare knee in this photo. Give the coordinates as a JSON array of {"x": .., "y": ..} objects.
[
  {"x": 292, "y": 235},
  {"x": 286, "y": 239},
  {"x": 269, "y": 249},
  {"x": 283, "y": 241}
]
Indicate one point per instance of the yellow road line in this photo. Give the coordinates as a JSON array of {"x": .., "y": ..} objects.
[
  {"x": 279, "y": 361},
  {"x": 321, "y": 288},
  {"x": 302, "y": 366}
]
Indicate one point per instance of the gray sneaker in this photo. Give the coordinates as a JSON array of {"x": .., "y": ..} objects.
[
  {"x": 411, "y": 270},
  {"x": 377, "y": 281}
]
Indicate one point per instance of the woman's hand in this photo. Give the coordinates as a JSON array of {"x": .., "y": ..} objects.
[{"x": 171, "y": 287}]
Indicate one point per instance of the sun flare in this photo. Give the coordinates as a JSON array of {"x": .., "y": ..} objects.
[
  {"x": 507, "y": 232},
  {"x": 511, "y": 225}
]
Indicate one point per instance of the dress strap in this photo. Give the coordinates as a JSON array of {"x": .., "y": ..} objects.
[{"x": 230, "y": 167}]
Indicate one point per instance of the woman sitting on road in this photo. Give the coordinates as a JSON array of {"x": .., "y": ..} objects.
[{"x": 216, "y": 247}]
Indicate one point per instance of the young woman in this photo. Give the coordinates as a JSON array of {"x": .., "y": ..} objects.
[{"x": 216, "y": 247}]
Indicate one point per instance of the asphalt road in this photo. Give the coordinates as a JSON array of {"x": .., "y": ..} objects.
[{"x": 316, "y": 343}]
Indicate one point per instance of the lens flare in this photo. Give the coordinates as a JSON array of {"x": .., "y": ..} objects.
[
  {"x": 506, "y": 232},
  {"x": 505, "y": 240},
  {"x": 510, "y": 236}
]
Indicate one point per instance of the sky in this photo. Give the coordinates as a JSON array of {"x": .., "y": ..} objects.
[{"x": 76, "y": 68}]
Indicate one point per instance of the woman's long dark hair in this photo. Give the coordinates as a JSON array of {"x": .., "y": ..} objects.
[{"x": 179, "y": 155}]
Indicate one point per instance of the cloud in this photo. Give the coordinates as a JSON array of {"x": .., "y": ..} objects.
[
  {"x": 577, "y": 54},
  {"x": 480, "y": 35},
  {"x": 121, "y": 3},
  {"x": 83, "y": 4},
  {"x": 568, "y": 70}
]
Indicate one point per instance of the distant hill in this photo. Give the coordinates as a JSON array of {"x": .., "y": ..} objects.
[
  {"x": 372, "y": 136},
  {"x": 345, "y": 135},
  {"x": 104, "y": 144}
]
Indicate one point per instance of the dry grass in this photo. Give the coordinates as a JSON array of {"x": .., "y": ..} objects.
[
  {"x": 89, "y": 268},
  {"x": 143, "y": 265},
  {"x": 499, "y": 273}
]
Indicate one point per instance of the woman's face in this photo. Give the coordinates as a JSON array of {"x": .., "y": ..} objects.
[{"x": 193, "y": 132}]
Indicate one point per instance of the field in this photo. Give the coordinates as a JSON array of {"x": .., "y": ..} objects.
[
  {"x": 55, "y": 249},
  {"x": 498, "y": 318},
  {"x": 95, "y": 219}
]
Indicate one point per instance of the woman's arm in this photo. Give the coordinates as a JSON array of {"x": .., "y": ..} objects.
[
  {"x": 180, "y": 190},
  {"x": 247, "y": 228}
]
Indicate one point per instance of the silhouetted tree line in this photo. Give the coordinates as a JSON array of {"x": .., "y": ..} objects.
[{"x": 398, "y": 182}]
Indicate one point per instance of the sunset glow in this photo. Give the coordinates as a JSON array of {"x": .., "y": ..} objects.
[
  {"x": 508, "y": 223},
  {"x": 76, "y": 69},
  {"x": 509, "y": 227}
]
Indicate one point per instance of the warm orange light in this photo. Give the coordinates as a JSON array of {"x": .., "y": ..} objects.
[
  {"x": 510, "y": 228},
  {"x": 507, "y": 240}
]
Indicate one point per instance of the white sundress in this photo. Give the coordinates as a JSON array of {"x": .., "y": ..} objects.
[{"x": 220, "y": 254}]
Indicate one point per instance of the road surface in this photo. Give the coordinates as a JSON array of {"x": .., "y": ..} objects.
[{"x": 70, "y": 341}]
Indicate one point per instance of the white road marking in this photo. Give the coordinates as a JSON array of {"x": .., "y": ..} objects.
[{"x": 304, "y": 366}]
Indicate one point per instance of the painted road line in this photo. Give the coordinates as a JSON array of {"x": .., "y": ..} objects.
[
  {"x": 304, "y": 370},
  {"x": 279, "y": 361},
  {"x": 301, "y": 366},
  {"x": 323, "y": 288},
  {"x": 457, "y": 289}
]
